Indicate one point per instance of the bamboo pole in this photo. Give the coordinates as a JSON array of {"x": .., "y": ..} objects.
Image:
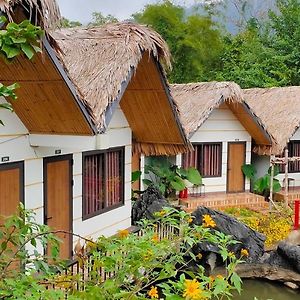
[
  {"x": 286, "y": 177},
  {"x": 271, "y": 184}
]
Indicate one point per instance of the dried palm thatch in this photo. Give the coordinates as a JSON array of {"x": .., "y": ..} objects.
[
  {"x": 46, "y": 11},
  {"x": 279, "y": 110},
  {"x": 196, "y": 101},
  {"x": 101, "y": 60}
]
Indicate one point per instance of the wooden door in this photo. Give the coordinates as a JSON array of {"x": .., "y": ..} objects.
[
  {"x": 135, "y": 166},
  {"x": 58, "y": 199},
  {"x": 235, "y": 161},
  {"x": 11, "y": 188}
]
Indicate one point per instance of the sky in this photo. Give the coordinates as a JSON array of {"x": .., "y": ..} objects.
[{"x": 81, "y": 10}]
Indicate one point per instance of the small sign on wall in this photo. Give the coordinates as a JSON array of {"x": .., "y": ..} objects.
[
  {"x": 58, "y": 151},
  {"x": 5, "y": 159}
]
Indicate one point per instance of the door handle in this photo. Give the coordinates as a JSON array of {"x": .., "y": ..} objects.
[{"x": 49, "y": 218}]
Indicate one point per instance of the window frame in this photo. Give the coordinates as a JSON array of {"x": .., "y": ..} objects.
[
  {"x": 220, "y": 165},
  {"x": 289, "y": 144},
  {"x": 86, "y": 216}
]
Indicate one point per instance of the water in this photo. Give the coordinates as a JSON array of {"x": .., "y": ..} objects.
[{"x": 266, "y": 290}]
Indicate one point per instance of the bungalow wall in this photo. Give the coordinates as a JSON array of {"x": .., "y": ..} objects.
[
  {"x": 221, "y": 127},
  {"x": 15, "y": 143}
]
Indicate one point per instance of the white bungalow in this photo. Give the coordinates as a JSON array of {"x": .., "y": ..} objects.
[
  {"x": 66, "y": 150},
  {"x": 279, "y": 110},
  {"x": 221, "y": 127}
]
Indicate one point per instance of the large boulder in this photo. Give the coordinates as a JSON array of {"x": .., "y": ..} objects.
[
  {"x": 150, "y": 202},
  {"x": 249, "y": 239},
  {"x": 291, "y": 253}
]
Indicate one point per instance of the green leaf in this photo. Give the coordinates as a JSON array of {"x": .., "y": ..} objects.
[
  {"x": 249, "y": 170},
  {"x": 194, "y": 176},
  {"x": 178, "y": 184},
  {"x": 147, "y": 182},
  {"x": 10, "y": 51},
  {"x": 236, "y": 281},
  {"x": 28, "y": 50},
  {"x": 135, "y": 176}
]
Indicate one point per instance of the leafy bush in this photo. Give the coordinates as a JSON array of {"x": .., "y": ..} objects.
[
  {"x": 24, "y": 272},
  {"x": 150, "y": 266},
  {"x": 168, "y": 178}
]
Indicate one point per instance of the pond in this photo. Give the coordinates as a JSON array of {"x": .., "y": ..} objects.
[{"x": 266, "y": 290}]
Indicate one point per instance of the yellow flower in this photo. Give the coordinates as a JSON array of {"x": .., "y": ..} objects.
[
  {"x": 192, "y": 290},
  {"x": 148, "y": 255},
  {"x": 231, "y": 254},
  {"x": 244, "y": 252},
  {"x": 190, "y": 220},
  {"x": 208, "y": 221},
  {"x": 219, "y": 276},
  {"x": 162, "y": 213},
  {"x": 155, "y": 238},
  {"x": 199, "y": 255},
  {"x": 152, "y": 293},
  {"x": 123, "y": 233}
]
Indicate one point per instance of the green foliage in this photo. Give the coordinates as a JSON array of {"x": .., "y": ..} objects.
[
  {"x": 249, "y": 170},
  {"x": 16, "y": 39},
  {"x": 99, "y": 19},
  {"x": 16, "y": 235},
  {"x": 169, "y": 178},
  {"x": 194, "y": 41},
  {"x": 262, "y": 184},
  {"x": 66, "y": 23},
  {"x": 149, "y": 265},
  {"x": 19, "y": 38}
]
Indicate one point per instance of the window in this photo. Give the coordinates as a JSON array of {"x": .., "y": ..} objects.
[
  {"x": 103, "y": 181},
  {"x": 206, "y": 157},
  {"x": 294, "y": 150}
]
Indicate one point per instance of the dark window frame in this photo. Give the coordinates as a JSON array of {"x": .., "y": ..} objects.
[
  {"x": 220, "y": 159},
  {"x": 86, "y": 216},
  {"x": 289, "y": 145}
]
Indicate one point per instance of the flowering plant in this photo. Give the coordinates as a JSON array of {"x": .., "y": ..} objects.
[{"x": 154, "y": 264}]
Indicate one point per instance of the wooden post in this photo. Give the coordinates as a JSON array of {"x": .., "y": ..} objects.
[
  {"x": 286, "y": 177},
  {"x": 271, "y": 182}
]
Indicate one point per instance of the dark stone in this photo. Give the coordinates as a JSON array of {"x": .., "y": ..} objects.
[
  {"x": 273, "y": 258},
  {"x": 249, "y": 239},
  {"x": 291, "y": 253},
  {"x": 150, "y": 202}
]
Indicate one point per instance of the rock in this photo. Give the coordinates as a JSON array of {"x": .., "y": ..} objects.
[
  {"x": 250, "y": 239},
  {"x": 290, "y": 253},
  {"x": 293, "y": 238},
  {"x": 291, "y": 285},
  {"x": 151, "y": 201},
  {"x": 266, "y": 271},
  {"x": 273, "y": 258}
]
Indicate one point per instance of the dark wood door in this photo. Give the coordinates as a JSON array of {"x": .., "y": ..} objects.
[
  {"x": 236, "y": 159},
  {"x": 58, "y": 199},
  {"x": 11, "y": 188}
]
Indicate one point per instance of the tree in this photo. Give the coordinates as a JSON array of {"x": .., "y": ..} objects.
[
  {"x": 66, "y": 23},
  {"x": 195, "y": 41},
  {"x": 266, "y": 54},
  {"x": 99, "y": 19}
]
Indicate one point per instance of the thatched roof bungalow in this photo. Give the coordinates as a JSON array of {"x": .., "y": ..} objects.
[
  {"x": 196, "y": 101},
  {"x": 221, "y": 127},
  {"x": 123, "y": 63},
  {"x": 279, "y": 110}
]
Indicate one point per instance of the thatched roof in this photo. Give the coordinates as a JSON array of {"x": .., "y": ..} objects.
[
  {"x": 196, "y": 101},
  {"x": 279, "y": 110},
  {"x": 100, "y": 61},
  {"x": 47, "y": 11}
]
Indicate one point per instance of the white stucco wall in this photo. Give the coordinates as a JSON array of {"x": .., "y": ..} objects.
[
  {"x": 16, "y": 142},
  {"x": 221, "y": 126}
]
